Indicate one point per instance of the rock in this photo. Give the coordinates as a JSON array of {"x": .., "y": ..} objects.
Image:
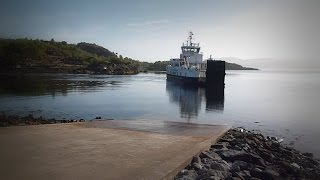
[
  {"x": 207, "y": 166},
  {"x": 205, "y": 155},
  {"x": 256, "y": 172},
  {"x": 206, "y": 160},
  {"x": 237, "y": 175},
  {"x": 187, "y": 175},
  {"x": 308, "y": 154},
  {"x": 272, "y": 174},
  {"x": 257, "y": 160},
  {"x": 246, "y": 147},
  {"x": 268, "y": 174},
  {"x": 183, "y": 171},
  {"x": 287, "y": 152},
  {"x": 286, "y": 166},
  {"x": 197, "y": 166},
  {"x": 246, "y": 173},
  {"x": 229, "y": 139},
  {"x": 315, "y": 162},
  {"x": 237, "y": 178},
  {"x": 241, "y": 165},
  {"x": 257, "y": 166},
  {"x": 202, "y": 172},
  {"x": 210, "y": 154},
  {"x": 225, "y": 163},
  {"x": 219, "y": 166},
  {"x": 204, "y": 176},
  {"x": 295, "y": 165},
  {"x": 214, "y": 178},
  {"x": 233, "y": 155},
  {"x": 250, "y": 142},
  {"x": 234, "y": 169},
  {"x": 280, "y": 140},
  {"x": 236, "y": 147},
  {"x": 267, "y": 156},
  {"x": 215, "y": 156},
  {"x": 196, "y": 159},
  {"x": 275, "y": 145},
  {"x": 242, "y": 174},
  {"x": 245, "y": 155},
  {"x": 220, "y": 145},
  {"x": 220, "y": 174}
]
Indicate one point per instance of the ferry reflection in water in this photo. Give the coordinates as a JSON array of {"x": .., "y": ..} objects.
[
  {"x": 190, "y": 98},
  {"x": 214, "y": 98}
]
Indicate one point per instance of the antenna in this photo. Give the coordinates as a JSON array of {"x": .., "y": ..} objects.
[{"x": 190, "y": 37}]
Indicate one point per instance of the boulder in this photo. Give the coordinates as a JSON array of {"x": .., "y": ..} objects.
[
  {"x": 265, "y": 175},
  {"x": 206, "y": 160},
  {"x": 219, "y": 174},
  {"x": 220, "y": 145},
  {"x": 186, "y": 175},
  {"x": 197, "y": 166},
  {"x": 255, "y": 159},
  {"x": 241, "y": 165},
  {"x": 210, "y": 154},
  {"x": 219, "y": 166},
  {"x": 196, "y": 159}
]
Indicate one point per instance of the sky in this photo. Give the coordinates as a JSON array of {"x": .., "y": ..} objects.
[{"x": 260, "y": 33}]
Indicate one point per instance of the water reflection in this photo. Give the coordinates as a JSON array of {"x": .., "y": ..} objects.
[
  {"x": 215, "y": 98},
  {"x": 190, "y": 98},
  {"x": 48, "y": 84}
]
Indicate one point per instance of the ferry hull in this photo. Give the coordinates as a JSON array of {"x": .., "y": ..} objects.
[{"x": 185, "y": 80}]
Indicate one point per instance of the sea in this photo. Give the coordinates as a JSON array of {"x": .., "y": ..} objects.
[{"x": 280, "y": 103}]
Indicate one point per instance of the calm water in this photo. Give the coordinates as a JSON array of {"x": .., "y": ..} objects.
[{"x": 277, "y": 103}]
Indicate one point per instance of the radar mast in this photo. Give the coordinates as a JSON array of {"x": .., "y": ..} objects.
[{"x": 190, "y": 38}]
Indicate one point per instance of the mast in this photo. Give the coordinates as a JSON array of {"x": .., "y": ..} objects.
[{"x": 190, "y": 38}]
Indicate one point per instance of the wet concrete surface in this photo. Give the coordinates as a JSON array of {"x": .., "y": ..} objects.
[{"x": 112, "y": 149}]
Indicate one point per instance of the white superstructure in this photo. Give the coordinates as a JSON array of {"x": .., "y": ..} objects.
[{"x": 190, "y": 63}]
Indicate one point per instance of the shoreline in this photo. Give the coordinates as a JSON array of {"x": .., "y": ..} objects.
[
  {"x": 80, "y": 71},
  {"x": 14, "y": 120}
]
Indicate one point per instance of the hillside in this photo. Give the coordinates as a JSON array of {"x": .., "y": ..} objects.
[
  {"x": 234, "y": 66},
  {"x": 26, "y": 55},
  {"x": 49, "y": 56}
]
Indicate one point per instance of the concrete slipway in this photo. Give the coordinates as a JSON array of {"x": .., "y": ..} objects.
[{"x": 102, "y": 149}]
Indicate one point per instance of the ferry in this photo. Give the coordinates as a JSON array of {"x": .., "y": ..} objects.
[{"x": 190, "y": 68}]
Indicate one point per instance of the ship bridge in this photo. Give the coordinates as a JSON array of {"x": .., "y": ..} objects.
[{"x": 190, "y": 51}]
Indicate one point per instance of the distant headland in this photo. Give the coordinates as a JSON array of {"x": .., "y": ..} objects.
[{"x": 38, "y": 56}]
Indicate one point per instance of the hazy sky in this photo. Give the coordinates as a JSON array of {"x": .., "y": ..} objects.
[{"x": 150, "y": 30}]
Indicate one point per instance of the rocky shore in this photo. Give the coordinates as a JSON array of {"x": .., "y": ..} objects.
[
  {"x": 241, "y": 155},
  {"x": 9, "y": 120}
]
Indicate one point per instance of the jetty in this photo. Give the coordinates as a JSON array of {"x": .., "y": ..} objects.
[{"x": 111, "y": 149}]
